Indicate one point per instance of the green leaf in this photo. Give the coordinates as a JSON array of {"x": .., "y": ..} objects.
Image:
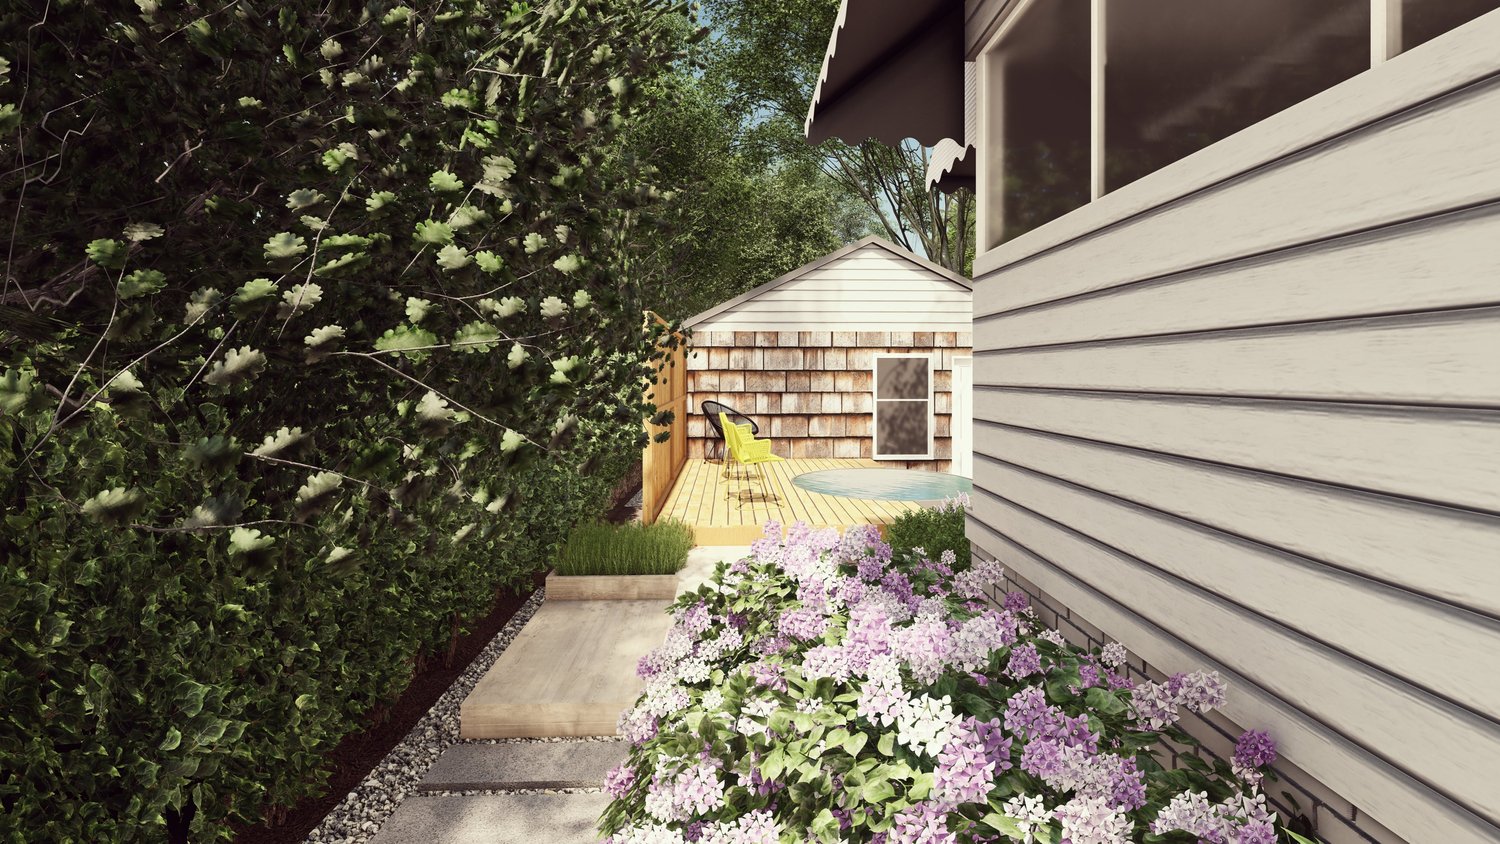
[
  {"x": 418, "y": 308},
  {"x": 303, "y": 199},
  {"x": 323, "y": 341},
  {"x": 317, "y": 493},
  {"x": 141, "y": 283},
  {"x": 239, "y": 365},
  {"x": 467, "y": 215},
  {"x": 107, "y": 253},
  {"x": 534, "y": 243},
  {"x": 140, "y": 232},
  {"x": 886, "y": 744},
  {"x": 299, "y": 300},
  {"x": 433, "y": 414},
  {"x": 285, "y": 246},
  {"x": 251, "y": 296},
  {"x": 453, "y": 258},
  {"x": 15, "y": 390},
  {"x": 553, "y": 307},
  {"x": 173, "y": 739},
  {"x": 379, "y": 200},
  {"x": 216, "y": 454},
  {"x": 280, "y": 442},
  {"x": 568, "y": 264},
  {"x": 406, "y": 340},
  {"x": 476, "y": 337},
  {"x": 517, "y": 356},
  {"x": 115, "y": 506},
  {"x": 247, "y": 541},
  {"x": 10, "y": 118},
  {"x": 489, "y": 262},
  {"x": 1105, "y": 701},
  {"x": 443, "y": 181},
  {"x": 304, "y": 701},
  {"x": 434, "y": 232}
]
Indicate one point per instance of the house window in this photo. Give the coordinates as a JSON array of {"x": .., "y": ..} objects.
[
  {"x": 1424, "y": 20},
  {"x": 903, "y": 407},
  {"x": 1034, "y": 84},
  {"x": 1183, "y": 74}
]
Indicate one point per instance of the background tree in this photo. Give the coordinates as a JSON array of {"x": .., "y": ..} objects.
[
  {"x": 766, "y": 56},
  {"x": 734, "y": 220}
]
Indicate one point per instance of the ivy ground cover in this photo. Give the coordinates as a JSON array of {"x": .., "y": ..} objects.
[{"x": 826, "y": 688}]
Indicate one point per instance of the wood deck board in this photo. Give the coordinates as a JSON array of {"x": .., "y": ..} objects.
[{"x": 699, "y": 499}]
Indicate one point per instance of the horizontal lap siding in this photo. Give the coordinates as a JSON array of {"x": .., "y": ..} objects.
[
  {"x": 867, "y": 290},
  {"x": 1257, "y": 426}
]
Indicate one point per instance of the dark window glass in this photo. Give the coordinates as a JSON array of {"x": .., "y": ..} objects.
[
  {"x": 901, "y": 427},
  {"x": 1183, "y": 74},
  {"x": 902, "y": 378},
  {"x": 1041, "y": 69},
  {"x": 1424, "y": 20}
]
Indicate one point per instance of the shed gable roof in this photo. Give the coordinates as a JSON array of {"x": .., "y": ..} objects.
[{"x": 824, "y": 261}]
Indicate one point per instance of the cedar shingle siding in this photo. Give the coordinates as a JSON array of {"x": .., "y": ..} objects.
[
  {"x": 813, "y": 402},
  {"x": 797, "y": 355}
]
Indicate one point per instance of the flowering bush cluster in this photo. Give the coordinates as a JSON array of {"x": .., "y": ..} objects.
[{"x": 826, "y": 689}]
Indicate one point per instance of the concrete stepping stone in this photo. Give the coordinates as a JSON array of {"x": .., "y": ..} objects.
[
  {"x": 491, "y": 818},
  {"x": 569, "y": 672},
  {"x": 495, "y": 767}
]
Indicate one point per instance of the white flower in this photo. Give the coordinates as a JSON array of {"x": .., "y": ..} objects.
[
  {"x": 1028, "y": 812},
  {"x": 713, "y": 700},
  {"x": 1113, "y": 655},
  {"x": 926, "y": 724}
]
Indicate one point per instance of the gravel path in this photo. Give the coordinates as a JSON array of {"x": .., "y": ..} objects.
[{"x": 357, "y": 818}]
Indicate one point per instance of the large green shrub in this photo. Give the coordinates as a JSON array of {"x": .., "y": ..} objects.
[
  {"x": 316, "y": 330},
  {"x": 932, "y": 531}
]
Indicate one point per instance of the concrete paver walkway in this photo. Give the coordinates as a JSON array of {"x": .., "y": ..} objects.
[
  {"x": 570, "y": 672},
  {"x": 573, "y": 764},
  {"x": 496, "y": 819}
]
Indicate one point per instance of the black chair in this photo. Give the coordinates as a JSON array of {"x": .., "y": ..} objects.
[{"x": 711, "y": 411}]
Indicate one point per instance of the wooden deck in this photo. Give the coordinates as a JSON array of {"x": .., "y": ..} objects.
[{"x": 733, "y": 511}]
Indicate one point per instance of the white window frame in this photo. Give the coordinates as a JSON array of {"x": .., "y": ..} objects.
[{"x": 875, "y": 401}]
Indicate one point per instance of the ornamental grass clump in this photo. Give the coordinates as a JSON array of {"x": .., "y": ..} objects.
[
  {"x": 827, "y": 689},
  {"x": 632, "y": 548}
]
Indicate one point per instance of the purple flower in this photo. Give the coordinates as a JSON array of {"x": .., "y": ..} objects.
[
  {"x": 1254, "y": 750},
  {"x": 1027, "y": 714},
  {"x": 804, "y": 624},
  {"x": 1043, "y": 757},
  {"x": 768, "y": 675},
  {"x": 925, "y": 822},
  {"x": 619, "y": 780},
  {"x": 1024, "y": 662},
  {"x": 1088, "y": 674},
  {"x": 1017, "y": 601},
  {"x": 1127, "y": 786}
]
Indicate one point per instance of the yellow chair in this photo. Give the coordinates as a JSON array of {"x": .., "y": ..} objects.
[{"x": 743, "y": 448}]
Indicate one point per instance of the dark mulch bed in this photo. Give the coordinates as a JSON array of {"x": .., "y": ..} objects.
[{"x": 358, "y": 754}]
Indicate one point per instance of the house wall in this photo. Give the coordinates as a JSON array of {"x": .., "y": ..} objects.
[
  {"x": 811, "y": 391},
  {"x": 870, "y": 289},
  {"x": 1244, "y": 414}
]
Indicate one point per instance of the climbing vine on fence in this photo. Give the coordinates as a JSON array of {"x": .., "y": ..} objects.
[{"x": 318, "y": 327}]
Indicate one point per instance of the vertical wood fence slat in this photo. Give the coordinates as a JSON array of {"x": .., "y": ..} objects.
[{"x": 661, "y": 462}]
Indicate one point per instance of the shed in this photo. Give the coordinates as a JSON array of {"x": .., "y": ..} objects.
[{"x": 850, "y": 356}]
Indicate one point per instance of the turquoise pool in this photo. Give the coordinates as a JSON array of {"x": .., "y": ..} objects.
[{"x": 889, "y": 484}]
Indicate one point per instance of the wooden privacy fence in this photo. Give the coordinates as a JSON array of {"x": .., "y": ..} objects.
[{"x": 662, "y": 461}]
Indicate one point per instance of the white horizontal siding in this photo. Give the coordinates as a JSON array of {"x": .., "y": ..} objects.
[
  {"x": 867, "y": 290},
  {"x": 1346, "y": 767},
  {"x": 1255, "y": 422}
]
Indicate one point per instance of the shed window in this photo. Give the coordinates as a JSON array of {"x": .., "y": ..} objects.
[{"x": 903, "y": 407}]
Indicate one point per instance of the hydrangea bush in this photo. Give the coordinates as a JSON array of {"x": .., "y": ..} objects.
[{"x": 826, "y": 689}]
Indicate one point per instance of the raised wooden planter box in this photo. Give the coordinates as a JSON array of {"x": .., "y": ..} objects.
[{"x": 611, "y": 587}]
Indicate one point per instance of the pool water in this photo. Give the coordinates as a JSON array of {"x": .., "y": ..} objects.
[{"x": 889, "y": 484}]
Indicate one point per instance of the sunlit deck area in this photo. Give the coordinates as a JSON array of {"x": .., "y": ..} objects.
[{"x": 731, "y": 511}]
